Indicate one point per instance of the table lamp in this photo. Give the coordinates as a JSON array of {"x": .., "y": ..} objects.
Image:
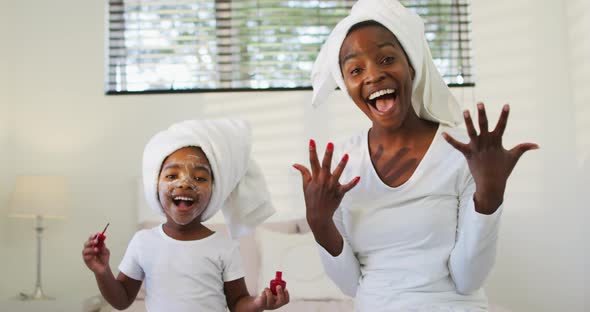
[{"x": 38, "y": 197}]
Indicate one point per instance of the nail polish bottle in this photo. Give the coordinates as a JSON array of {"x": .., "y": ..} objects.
[
  {"x": 277, "y": 281},
  {"x": 101, "y": 237}
]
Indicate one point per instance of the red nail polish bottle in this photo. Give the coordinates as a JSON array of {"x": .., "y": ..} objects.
[
  {"x": 277, "y": 281},
  {"x": 101, "y": 237}
]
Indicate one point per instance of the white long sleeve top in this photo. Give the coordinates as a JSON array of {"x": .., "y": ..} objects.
[{"x": 420, "y": 246}]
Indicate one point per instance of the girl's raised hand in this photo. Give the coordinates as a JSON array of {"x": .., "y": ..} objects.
[{"x": 96, "y": 257}]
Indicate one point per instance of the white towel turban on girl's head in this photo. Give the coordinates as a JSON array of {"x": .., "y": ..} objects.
[
  {"x": 239, "y": 188},
  {"x": 431, "y": 97}
]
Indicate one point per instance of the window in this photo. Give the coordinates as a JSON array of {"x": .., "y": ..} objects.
[{"x": 203, "y": 45}]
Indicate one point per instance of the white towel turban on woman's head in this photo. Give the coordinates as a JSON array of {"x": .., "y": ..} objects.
[
  {"x": 431, "y": 97},
  {"x": 239, "y": 188}
]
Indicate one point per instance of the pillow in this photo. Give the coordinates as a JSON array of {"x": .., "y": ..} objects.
[
  {"x": 302, "y": 226},
  {"x": 249, "y": 249},
  {"x": 297, "y": 256}
]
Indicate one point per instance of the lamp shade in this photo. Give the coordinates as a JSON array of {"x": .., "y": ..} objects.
[{"x": 38, "y": 196}]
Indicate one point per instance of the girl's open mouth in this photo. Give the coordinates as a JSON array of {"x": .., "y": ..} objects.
[{"x": 183, "y": 203}]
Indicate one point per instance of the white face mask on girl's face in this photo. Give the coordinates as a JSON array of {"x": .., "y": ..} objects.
[{"x": 185, "y": 185}]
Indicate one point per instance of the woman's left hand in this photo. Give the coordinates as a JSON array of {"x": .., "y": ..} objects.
[{"x": 490, "y": 164}]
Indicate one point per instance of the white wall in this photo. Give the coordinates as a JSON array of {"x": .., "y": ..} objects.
[
  {"x": 521, "y": 53},
  {"x": 6, "y": 178},
  {"x": 578, "y": 17},
  {"x": 57, "y": 121}
]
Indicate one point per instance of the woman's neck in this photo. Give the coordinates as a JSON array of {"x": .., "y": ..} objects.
[
  {"x": 414, "y": 131},
  {"x": 194, "y": 230}
]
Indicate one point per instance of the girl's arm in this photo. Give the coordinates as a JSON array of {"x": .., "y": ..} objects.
[
  {"x": 239, "y": 300},
  {"x": 119, "y": 292}
]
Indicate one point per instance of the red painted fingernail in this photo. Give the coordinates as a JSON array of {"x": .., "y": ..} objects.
[
  {"x": 480, "y": 105},
  {"x": 466, "y": 114},
  {"x": 357, "y": 179},
  {"x": 294, "y": 166},
  {"x": 345, "y": 157},
  {"x": 330, "y": 146},
  {"x": 311, "y": 143}
]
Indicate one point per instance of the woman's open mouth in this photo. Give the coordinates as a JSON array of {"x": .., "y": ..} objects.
[{"x": 383, "y": 101}]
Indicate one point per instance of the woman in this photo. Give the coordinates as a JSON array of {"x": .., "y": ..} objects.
[{"x": 417, "y": 228}]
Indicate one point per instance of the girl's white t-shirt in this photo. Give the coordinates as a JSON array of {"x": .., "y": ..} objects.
[{"x": 182, "y": 275}]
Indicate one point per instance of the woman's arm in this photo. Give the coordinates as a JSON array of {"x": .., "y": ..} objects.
[
  {"x": 337, "y": 257},
  {"x": 474, "y": 253},
  {"x": 323, "y": 194},
  {"x": 481, "y": 200}
]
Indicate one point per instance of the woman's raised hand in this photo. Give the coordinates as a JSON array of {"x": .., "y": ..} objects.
[
  {"x": 490, "y": 164},
  {"x": 323, "y": 192}
]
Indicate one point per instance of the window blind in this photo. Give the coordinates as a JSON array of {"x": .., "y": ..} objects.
[{"x": 206, "y": 45}]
